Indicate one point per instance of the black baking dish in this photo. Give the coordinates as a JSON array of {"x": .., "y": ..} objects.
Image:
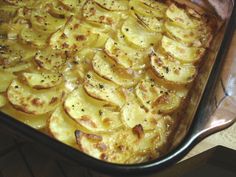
[{"x": 199, "y": 124}]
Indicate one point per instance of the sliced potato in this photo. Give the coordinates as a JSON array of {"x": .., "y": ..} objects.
[
  {"x": 73, "y": 36},
  {"x": 138, "y": 34},
  {"x": 6, "y": 79},
  {"x": 148, "y": 8},
  {"x": 19, "y": 2},
  {"x": 13, "y": 53},
  {"x": 43, "y": 21},
  {"x": 102, "y": 89},
  {"x": 35, "y": 121},
  {"x": 125, "y": 144},
  {"x": 52, "y": 60},
  {"x": 62, "y": 127},
  {"x": 118, "y": 5},
  {"x": 30, "y": 36},
  {"x": 125, "y": 55},
  {"x": 133, "y": 114},
  {"x": 90, "y": 113},
  {"x": 152, "y": 23},
  {"x": 94, "y": 13},
  {"x": 7, "y": 12},
  {"x": 107, "y": 68},
  {"x": 42, "y": 80},
  {"x": 171, "y": 70},
  {"x": 196, "y": 37},
  {"x": 17, "y": 68},
  {"x": 180, "y": 51},
  {"x": 33, "y": 101},
  {"x": 180, "y": 17},
  {"x": 3, "y": 100}
]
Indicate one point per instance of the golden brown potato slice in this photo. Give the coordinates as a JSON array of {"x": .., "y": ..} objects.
[
  {"x": 42, "y": 80},
  {"x": 107, "y": 68},
  {"x": 13, "y": 53},
  {"x": 157, "y": 98},
  {"x": 180, "y": 51},
  {"x": 118, "y": 5},
  {"x": 125, "y": 144},
  {"x": 148, "y": 8},
  {"x": 34, "y": 38},
  {"x": 33, "y": 101},
  {"x": 102, "y": 89},
  {"x": 62, "y": 127},
  {"x": 73, "y": 36},
  {"x": 90, "y": 113},
  {"x": 6, "y": 79},
  {"x": 52, "y": 60},
  {"x": 94, "y": 13},
  {"x": 133, "y": 113},
  {"x": 35, "y": 121},
  {"x": 125, "y": 55},
  {"x": 138, "y": 34},
  {"x": 196, "y": 37},
  {"x": 70, "y": 4},
  {"x": 43, "y": 21},
  {"x": 181, "y": 18},
  {"x": 172, "y": 70}
]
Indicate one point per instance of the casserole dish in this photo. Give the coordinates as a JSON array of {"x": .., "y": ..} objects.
[{"x": 193, "y": 100}]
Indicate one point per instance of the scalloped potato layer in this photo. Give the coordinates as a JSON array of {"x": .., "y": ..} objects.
[{"x": 105, "y": 77}]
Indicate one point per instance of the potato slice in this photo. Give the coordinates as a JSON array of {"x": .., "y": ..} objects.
[
  {"x": 102, "y": 89},
  {"x": 33, "y": 101},
  {"x": 13, "y": 53},
  {"x": 3, "y": 101},
  {"x": 7, "y": 12},
  {"x": 44, "y": 22},
  {"x": 124, "y": 55},
  {"x": 94, "y": 13},
  {"x": 52, "y": 60},
  {"x": 20, "y": 2},
  {"x": 6, "y": 79},
  {"x": 180, "y": 51},
  {"x": 107, "y": 68},
  {"x": 148, "y": 8},
  {"x": 62, "y": 127},
  {"x": 42, "y": 80},
  {"x": 196, "y": 37},
  {"x": 171, "y": 70},
  {"x": 138, "y": 34},
  {"x": 157, "y": 98},
  {"x": 32, "y": 37},
  {"x": 118, "y": 5},
  {"x": 181, "y": 18},
  {"x": 73, "y": 36},
  {"x": 125, "y": 144},
  {"x": 133, "y": 113},
  {"x": 92, "y": 114},
  {"x": 35, "y": 121},
  {"x": 152, "y": 23}
]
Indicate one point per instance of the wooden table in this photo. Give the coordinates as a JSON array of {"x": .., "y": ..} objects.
[{"x": 226, "y": 137}]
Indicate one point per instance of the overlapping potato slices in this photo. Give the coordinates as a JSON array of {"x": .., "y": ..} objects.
[
  {"x": 106, "y": 77},
  {"x": 102, "y": 89},
  {"x": 172, "y": 70},
  {"x": 157, "y": 98},
  {"x": 126, "y": 145},
  {"x": 180, "y": 51},
  {"x": 73, "y": 36},
  {"x": 137, "y": 34},
  {"x": 33, "y": 101},
  {"x": 94, "y": 13},
  {"x": 94, "y": 115},
  {"x": 107, "y": 68},
  {"x": 125, "y": 55}
]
